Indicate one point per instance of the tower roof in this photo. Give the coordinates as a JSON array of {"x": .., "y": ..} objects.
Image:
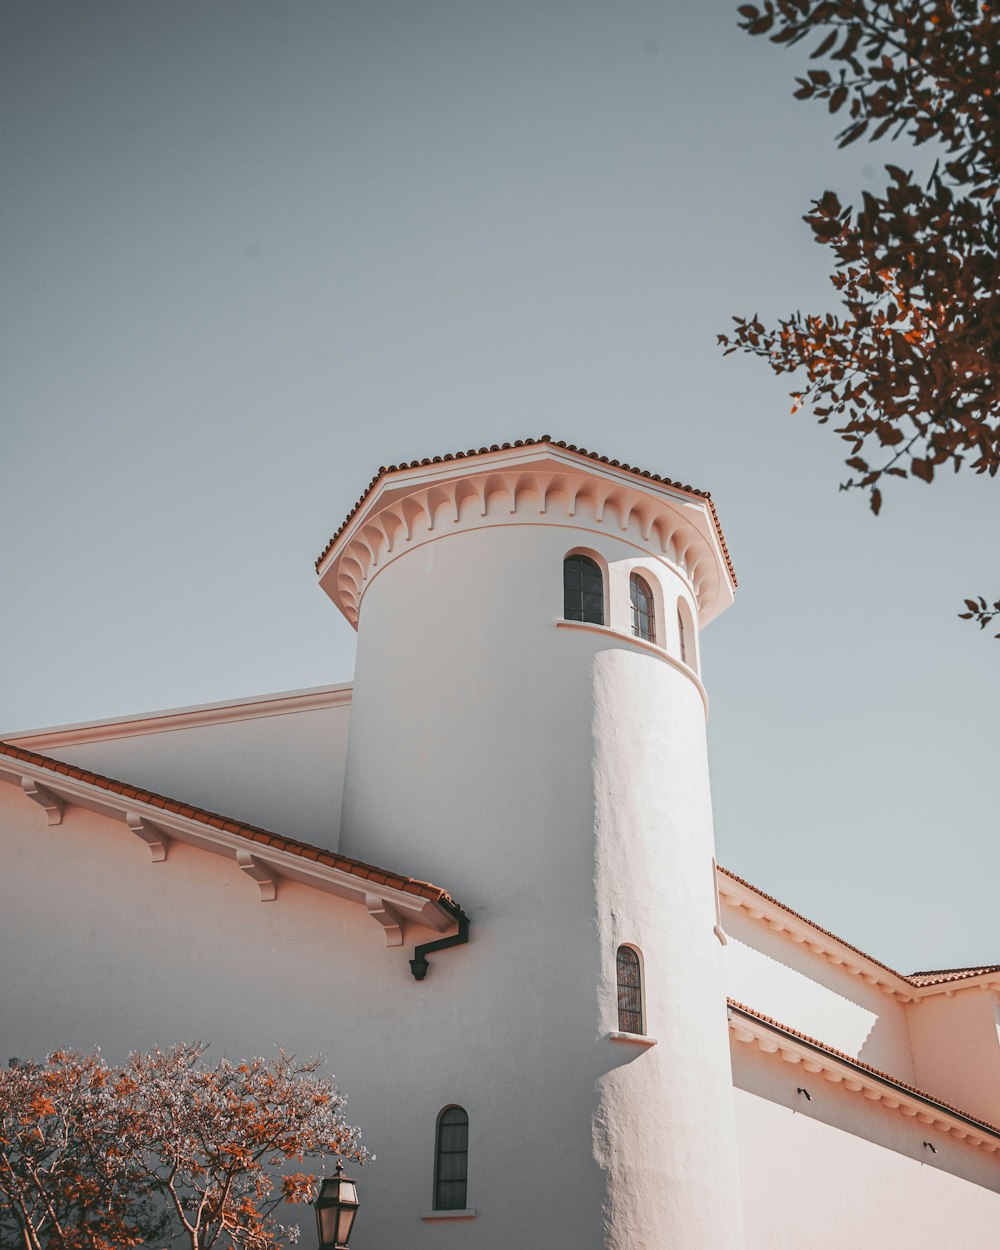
[
  {"x": 405, "y": 505},
  {"x": 385, "y": 470}
]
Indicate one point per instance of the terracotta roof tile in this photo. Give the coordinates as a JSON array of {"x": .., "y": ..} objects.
[
  {"x": 944, "y": 975},
  {"x": 384, "y": 471},
  {"x": 859, "y": 1063},
  {"x": 356, "y": 867}
]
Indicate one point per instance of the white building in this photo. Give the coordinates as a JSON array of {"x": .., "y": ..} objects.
[{"x": 648, "y": 1052}]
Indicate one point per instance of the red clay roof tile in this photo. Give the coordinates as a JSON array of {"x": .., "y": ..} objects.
[{"x": 943, "y": 975}]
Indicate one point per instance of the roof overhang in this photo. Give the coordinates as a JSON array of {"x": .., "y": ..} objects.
[
  {"x": 771, "y": 1037},
  {"x": 418, "y": 501},
  {"x": 389, "y": 904}
]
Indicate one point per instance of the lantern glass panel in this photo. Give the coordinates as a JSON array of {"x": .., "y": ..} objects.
[{"x": 345, "y": 1222}]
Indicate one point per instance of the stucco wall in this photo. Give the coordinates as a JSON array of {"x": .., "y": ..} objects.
[
  {"x": 956, "y": 1052},
  {"x": 555, "y": 778},
  {"x": 843, "y": 1173},
  {"x": 282, "y": 771},
  {"x": 133, "y": 954},
  {"x": 785, "y": 980}
]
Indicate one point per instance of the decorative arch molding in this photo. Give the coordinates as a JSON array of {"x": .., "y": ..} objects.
[{"x": 667, "y": 528}]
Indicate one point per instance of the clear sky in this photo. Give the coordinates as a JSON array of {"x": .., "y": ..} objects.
[{"x": 251, "y": 251}]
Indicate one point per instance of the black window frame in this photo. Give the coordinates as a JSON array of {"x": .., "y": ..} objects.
[
  {"x": 630, "y": 1006},
  {"x": 643, "y": 614},
  {"x": 583, "y": 589},
  {"x": 451, "y": 1193}
]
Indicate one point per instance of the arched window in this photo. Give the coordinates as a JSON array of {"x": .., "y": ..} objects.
[
  {"x": 583, "y": 590},
  {"x": 686, "y": 633},
  {"x": 643, "y": 621},
  {"x": 451, "y": 1160},
  {"x": 629, "y": 991}
]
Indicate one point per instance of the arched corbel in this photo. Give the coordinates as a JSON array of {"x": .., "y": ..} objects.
[
  {"x": 466, "y": 491},
  {"x": 433, "y": 499},
  {"x": 151, "y": 834},
  {"x": 387, "y": 917},
  {"x": 554, "y": 484},
  {"x": 391, "y": 525},
  {"x": 412, "y": 509},
  {"x": 44, "y": 798},
  {"x": 267, "y": 882}
]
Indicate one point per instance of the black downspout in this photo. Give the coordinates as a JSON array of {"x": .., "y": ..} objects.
[{"x": 418, "y": 964}]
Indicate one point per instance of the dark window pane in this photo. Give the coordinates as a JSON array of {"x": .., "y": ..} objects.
[
  {"x": 583, "y": 590},
  {"x": 629, "y": 991},
  {"x": 451, "y": 1160},
  {"x": 642, "y": 608}
]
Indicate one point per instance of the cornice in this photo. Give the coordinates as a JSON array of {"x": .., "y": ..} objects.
[
  {"x": 265, "y": 864},
  {"x": 771, "y": 1037},
  {"x": 545, "y": 439},
  {"x": 537, "y": 484},
  {"x": 740, "y": 894},
  {"x": 736, "y": 892},
  {"x": 284, "y": 703}
]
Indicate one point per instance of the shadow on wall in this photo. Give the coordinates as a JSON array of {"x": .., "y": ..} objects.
[
  {"x": 811, "y": 1096},
  {"x": 798, "y": 987}
]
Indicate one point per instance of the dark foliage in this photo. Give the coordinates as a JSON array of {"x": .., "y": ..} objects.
[{"x": 909, "y": 369}]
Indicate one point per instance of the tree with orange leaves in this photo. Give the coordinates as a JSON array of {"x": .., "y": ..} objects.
[
  {"x": 910, "y": 370},
  {"x": 162, "y": 1148},
  {"x": 64, "y": 1182}
]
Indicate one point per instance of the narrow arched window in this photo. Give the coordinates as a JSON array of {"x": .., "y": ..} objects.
[
  {"x": 682, "y": 636},
  {"x": 629, "y": 991},
  {"x": 643, "y": 621},
  {"x": 451, "y": 1160},
  {"x": 583, "y": 590}
]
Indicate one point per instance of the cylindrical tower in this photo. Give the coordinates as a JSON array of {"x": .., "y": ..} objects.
[{"x": 528, "y": 729}]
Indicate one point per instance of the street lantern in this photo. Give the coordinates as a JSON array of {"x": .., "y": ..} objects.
[{"x": 336, "y": 1206}]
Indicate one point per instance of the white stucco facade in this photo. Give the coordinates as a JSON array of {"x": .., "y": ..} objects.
[{"x": 537, "y": 788}]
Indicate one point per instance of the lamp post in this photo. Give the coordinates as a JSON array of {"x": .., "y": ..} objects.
[{"x": 336, "y": 1206}]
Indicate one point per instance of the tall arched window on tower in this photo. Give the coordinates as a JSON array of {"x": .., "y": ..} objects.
[
  {"x": 643, "y": 620},
  {"x": 583, "y": 590},
  {"x": 629, "y": 991},
  {"x": 681, "y": 634},
  {"x": 451, "y": 1160}
]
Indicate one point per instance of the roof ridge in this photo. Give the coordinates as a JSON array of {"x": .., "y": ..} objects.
[
  {"x": 385, "y": 470},
  {"x": 252, "y": 833}
]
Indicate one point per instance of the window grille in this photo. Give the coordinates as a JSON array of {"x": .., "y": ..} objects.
[
  {"x": 451, "y": 1160},
  {"x": 629, "y": 991},
  {"x": 583, "y": 590},
  {"x": 643, "y": 620}
]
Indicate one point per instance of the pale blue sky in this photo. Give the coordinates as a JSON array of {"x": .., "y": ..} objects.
[{"x": 252, "y": 251}]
